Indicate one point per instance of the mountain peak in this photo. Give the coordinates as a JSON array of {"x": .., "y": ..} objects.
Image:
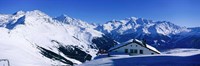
[
  {"x": 19, "y": 12},
  {"x": 133, "y": 18},
  {"x": 36, "y": 13},
  {"x": 63, "y": 17}
]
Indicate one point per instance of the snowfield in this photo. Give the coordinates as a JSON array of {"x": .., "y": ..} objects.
[
  {"x": 175, "y": 57},
  {"x": 22, "y": 32},
  {"x": 33, "y": 38}
]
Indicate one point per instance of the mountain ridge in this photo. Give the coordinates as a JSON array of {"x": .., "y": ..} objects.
[
  {"x": 37, "y": 38},
  {"x": 34, "y": 33},
  {"x": 160, "y": 34}
]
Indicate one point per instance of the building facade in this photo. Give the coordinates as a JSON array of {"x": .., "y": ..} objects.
[{"x": 133, "y": 47}]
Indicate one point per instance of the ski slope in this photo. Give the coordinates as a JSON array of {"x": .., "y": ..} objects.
[{"x": 176, "y": 57}]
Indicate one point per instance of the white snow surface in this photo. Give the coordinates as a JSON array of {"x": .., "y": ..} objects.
[
  {"x": 31, "y": 28},
  {"x": 140, "y": 25},
  {"x": 175, "y": 57}
]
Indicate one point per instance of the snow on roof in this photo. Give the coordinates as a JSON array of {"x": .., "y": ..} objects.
[
  {"x": 152, "y": 48},
  {"x": 134, "y": 41},
  {"x": 119, "y": 45}
]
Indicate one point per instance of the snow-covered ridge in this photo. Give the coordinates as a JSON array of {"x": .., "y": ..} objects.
[
  {"x": 133, "y": 24},
  {"x": 72, "y": 21},
  {"x": 160, "y": 34},
  {"x": 22, "y": 32}
]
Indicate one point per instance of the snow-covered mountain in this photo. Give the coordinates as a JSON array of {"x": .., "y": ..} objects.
[
  {"x": 33, "y": 38},
  {"x": 72, "y": 21},
  {"x": 131, "y": 25},
  {"x": 160, "y": 34}
]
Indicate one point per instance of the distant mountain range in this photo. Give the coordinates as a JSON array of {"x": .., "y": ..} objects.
[
  {"x": 160, "y": 34},
  {"x": 34, "y": 38}
]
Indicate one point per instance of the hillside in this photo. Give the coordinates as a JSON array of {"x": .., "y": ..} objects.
[
  {"x": 176, "y": 57},
  {"x": 33, "y": 38}
]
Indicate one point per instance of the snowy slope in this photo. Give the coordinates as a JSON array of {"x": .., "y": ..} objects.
[
  {"x": 176, "y": 57},
  {"x": 32, "y": 38},
  {"x": 72, "y": 21},
  {"x": 23, "y": 32}
]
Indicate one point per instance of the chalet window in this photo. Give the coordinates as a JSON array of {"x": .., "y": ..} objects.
[
  {"x": 152, "y": 53},
  {"x": 141, "y": 51},
  {"x": 135, "y": 51},
  {"x": 131, "y": 50},
  {"x": 126, "y": 50}
]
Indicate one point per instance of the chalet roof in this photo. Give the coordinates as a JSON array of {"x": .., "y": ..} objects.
[{"x": 134, "y": 41}]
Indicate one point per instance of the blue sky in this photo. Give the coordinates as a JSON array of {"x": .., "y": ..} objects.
[{"x": 181, "y": 12}]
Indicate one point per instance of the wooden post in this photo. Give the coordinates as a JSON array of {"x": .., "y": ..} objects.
[{"x": 6, "y": 61}]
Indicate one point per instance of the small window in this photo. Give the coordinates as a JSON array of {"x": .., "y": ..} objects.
[
  {"x": 126, "y": 50},
  {"x": 131, "y": 50},
  {"x": 135, "y": 51},
  {"x": 141, "y": 51},
  {"x": 131, "y": 45},
  {"x": 152, "y": 53},
  {"x": 116, "y": 51},
  {"x": 135, "y": 45}
]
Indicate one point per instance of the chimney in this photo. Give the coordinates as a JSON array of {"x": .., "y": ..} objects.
[
  {"x": 134, "y": 40},
  {"x": 144, "y": 42}
]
